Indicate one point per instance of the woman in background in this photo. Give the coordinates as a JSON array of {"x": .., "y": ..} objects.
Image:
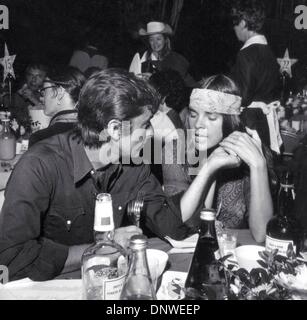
[
  {"x": 159, "y": 55},
  {"x": 169, "y": 130}
]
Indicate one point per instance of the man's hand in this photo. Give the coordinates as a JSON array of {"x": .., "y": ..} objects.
[{"x": 123, "y": 235}]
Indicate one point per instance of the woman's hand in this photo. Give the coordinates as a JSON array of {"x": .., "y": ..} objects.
[
  {"x": 221, "y": 159},
  {"x": 247, "y": 146}
]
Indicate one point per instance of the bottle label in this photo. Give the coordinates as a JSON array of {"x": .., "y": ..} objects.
[
  {"x": 281, "y": 245},
  {"x": 102, "y": 288},
  {"x": 103, "y": 216},
  {"x": 101, "y": 280},
  {"x": 112, "y": 288}
]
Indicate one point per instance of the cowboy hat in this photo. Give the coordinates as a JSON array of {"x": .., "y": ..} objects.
[{"x": 156, "y": 27}]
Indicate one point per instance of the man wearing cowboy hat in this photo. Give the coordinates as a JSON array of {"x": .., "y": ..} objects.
[{"x": 159, "y": 55}]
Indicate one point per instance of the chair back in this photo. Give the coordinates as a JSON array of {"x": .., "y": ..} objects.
[{"x": 291, "y": 141}]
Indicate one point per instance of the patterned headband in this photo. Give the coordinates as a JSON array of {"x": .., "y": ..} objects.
[{"x": 215, "y": 101}]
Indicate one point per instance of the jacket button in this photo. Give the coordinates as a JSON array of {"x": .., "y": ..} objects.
[{"x": 120, "y": 207}]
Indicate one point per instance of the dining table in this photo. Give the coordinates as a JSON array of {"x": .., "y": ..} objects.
[
  {"x": 68, "y": 286},
  {"x": 178, "y": 261}
]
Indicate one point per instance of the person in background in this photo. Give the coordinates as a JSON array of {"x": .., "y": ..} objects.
[
  {"x": 256, "y": 71},
  {"x": 167, "y": 126},
  {"x": 233, "y": 168},
  {"x": 89, "y": 56},
  {"x": 60, "y": 103},
  {"x": 159, "y": 55},
  {"x": 28, "y": 95},
  {"x": 47, "y": 217}
]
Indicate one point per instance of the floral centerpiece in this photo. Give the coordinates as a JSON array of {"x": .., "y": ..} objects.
[{"x": 280, "y": 278}]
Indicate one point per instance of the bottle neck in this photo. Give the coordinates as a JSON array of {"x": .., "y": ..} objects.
[
  {"x": 104, "y": 222},
  {"x": 286, "y": 200},
  {"x": 139, "y": 262},
  {"x": 207, "y": 229},
  {"x": 107, "y": 236}
]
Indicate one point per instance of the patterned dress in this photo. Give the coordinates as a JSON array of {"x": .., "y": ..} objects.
[
  {"x": 233, "y": 191},
  {"x": 234, "y": 195}
]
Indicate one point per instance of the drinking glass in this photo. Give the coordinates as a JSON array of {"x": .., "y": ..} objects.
[{"x": 227, "y": 240}]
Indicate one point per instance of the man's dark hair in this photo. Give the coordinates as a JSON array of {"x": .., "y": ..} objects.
[
  {"x": 251, "y": 11},
  {"x": 112, "y": 94},
  {"x": 171, "y": 86},
  {"x": 71, "y": 79},
  {"x": 37, "y": 65}
]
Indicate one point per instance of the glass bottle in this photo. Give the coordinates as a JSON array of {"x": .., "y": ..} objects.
[
  {"x": 284, "y": 228},
  {"x": 206, "y": 280},
  {"x": 104, "y": 264},
  {"x": 3, "y": 113},
  {"x": 7, "y": 141},
  {"x": 138, "y": 285}
]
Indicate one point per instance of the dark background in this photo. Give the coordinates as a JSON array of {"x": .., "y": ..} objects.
[{"x": 49, "y": 31}]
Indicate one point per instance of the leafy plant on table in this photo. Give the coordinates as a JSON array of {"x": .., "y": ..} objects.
[{"x": 260, "y": 283}]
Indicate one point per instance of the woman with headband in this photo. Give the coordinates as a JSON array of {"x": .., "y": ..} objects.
[
  {"x": 60, "y": 95},
  {"x": 232, "y": 170}
]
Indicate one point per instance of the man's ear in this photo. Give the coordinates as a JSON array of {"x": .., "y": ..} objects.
[
  {"x": 242, "y": 24},
  {"x": 60, "y": 93},
  {"x": 114, "y": 129}
]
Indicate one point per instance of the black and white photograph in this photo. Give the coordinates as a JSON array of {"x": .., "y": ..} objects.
[{"x": 153, "y": 150}]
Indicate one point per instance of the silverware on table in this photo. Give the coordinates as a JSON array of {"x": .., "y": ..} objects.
[{"x": 134, "y": 210}]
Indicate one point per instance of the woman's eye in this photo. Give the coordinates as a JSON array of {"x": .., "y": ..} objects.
[
  {"x": 212, "y": 117},
  {"x": 192, "y": 114}
]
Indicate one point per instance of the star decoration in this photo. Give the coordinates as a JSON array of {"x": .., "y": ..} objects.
[
  {"x": 286, "y": 63},
  {"x": 7, "y": 62}
]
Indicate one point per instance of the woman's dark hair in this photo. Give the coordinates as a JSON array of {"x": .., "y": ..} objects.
[
  {"x": 224, "y": 84},
  {"x": 112, "y": 94},
  {"x": 71, "y": 79},
  {"x": 251, "y": 11},
  {"x": 171, "y": 87}
]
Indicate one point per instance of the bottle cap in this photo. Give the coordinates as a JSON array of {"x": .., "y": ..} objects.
[
  {"x": 102, "y": 197},
  {"x": 207, "y": 214},
  {"x": 138, "y": 241}
]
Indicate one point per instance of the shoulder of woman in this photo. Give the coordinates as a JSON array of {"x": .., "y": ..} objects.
[{"x": 178, "y": 55}]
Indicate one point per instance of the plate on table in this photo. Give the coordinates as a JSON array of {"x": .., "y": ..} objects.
[
  {"x": 26, "y": 289},
  {"x": 172, "y": 286}
]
